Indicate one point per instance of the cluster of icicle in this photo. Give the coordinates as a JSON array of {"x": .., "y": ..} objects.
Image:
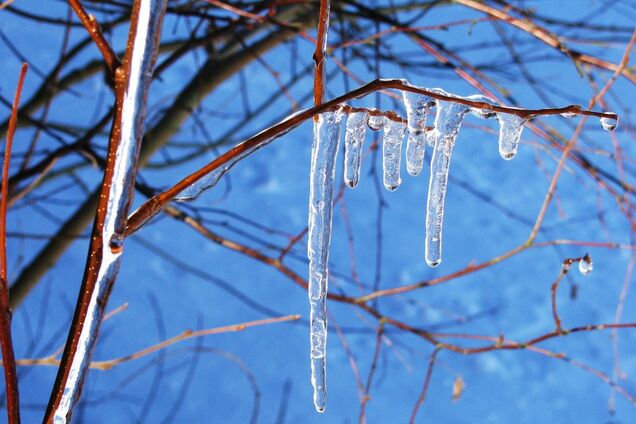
[{"x": 327, "y": 129}]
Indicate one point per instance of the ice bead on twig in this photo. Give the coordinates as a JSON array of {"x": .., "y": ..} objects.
[
  {"x": 376, "y": 122},
  {"x": 354, "y": 139},
  {"x": 447, "y": 124},
  {"x": 417, "y": 106},
  {"x": 322, "y": 175},
  {"x": 479, "y": 112},
  {"x": 609, "y": 124},
  {"x": 392, "y": 152},
  {"x": 510, "y": 129}
]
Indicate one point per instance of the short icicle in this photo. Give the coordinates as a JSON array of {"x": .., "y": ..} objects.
[
  {"x": 354, "y": 140},
  {"x": 323, "y": 165},
  {"x": 417, "y": 106},
  {"x": 391, "y": 152},
  {"x": 447, "y": 123},
  {"x": 510, "y": 129}
]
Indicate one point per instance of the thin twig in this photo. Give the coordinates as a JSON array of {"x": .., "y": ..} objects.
[
  {"x": 95, "y": 32},
  {"x": 10, "y": 376}
]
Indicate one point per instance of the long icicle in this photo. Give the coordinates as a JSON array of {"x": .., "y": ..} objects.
[
  {"x": 323, "y": 168},
  {"x": 447, "y": 123},
  {"x": 323, "y": 164}
]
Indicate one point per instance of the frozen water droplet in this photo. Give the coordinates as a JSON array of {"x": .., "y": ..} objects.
[
  {"x": 417, "y": 106},
  {"x": 354, "y": 139},
  {"x": 376, "y": 122},
  {"x": 609, "y": 124},
  {"x": 116, "y": 243},
  {"x": 391, "y": 153},
  {"x": 510, "y": 129},
  {"x": 482, "y": 113},
  {"x": 585, "y": 265}
]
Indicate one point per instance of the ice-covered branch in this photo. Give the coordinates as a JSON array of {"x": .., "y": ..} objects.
[
  {"x": 132, "y": 82},
  {"x": 158, "y": 202}
]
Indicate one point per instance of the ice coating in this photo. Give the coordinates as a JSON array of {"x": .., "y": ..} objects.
[
  {"x": 209, "y": 180},
  {"x": 482, "y": 113},
  {"x": 392, "y": 152},
  {"x": 447, "y": 123},
  {"x": 417, "y": 106},
  {"x": 354, "y": 139},
  {"x": 324, "y": 151},
  {"x": 122, "y": 157},
  {"x": 510, "y": 129}
]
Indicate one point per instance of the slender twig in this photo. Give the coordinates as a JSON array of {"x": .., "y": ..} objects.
[
  {"x": 319, "y": 53},
  {"x": 186, "y": 335},
  {"x": 366, "y": 396},
  {"x": 547, "y": 37},
  {"x": 10, "y": 376},
  {"x": 94, "y": 30},
  {"x": 572, "y": 142},
  {"x": 427, "y": 382},
  {"x": 565, "y": 268}
]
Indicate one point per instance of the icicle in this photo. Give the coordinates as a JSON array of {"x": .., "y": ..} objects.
[
  {"x": 417, "y": 106},
  {"x": 376, "y": 122},
  {"x": 510, "y": 129},
  {"x": 391, "y": 153},
  {"x": 447, "y": 123},
  {"x": 354, "y": 139},
  {"x": 323, "y": 164},
  {"x": 609, "y": 124},
  {"x": 585, "y": 265}
]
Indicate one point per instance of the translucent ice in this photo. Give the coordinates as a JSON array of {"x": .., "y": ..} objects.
[
  {"x": 392, "y": 152},
  {"x": 354, "y": 139},
  {"x": 417, "y": 106},
  {"x": 510, "y": 129},
  {"x": 323, "y": 165},
  {"x": 447, "y": 124}
]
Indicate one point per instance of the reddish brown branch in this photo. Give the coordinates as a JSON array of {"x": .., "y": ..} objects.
[
  {"x": 8, "y": 356},
  {"x": 427, "y": 382},
  {"x": 95, "y": 32},
  {"x": 319, "y": 53}
]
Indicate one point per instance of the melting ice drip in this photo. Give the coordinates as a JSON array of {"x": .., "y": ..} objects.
[{"x": 448, "y": 120}]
